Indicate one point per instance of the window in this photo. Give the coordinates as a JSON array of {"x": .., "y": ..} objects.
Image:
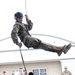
[{"x": 39, "y": 71}]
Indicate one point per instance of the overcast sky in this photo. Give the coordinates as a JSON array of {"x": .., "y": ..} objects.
[{"x": 50, "y": 17}]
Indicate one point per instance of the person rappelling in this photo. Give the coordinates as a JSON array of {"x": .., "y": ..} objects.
[{"x": 21, "y": 30}]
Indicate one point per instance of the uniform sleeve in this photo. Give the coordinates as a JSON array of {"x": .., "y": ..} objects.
[
  {"x": 14, "y": 33},
  {"x": 29, "y": 26}
]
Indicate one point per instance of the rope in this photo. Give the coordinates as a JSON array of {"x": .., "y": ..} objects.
[
  {"x": 25, "y": 7},
  {"x": 22, "y": 59}
]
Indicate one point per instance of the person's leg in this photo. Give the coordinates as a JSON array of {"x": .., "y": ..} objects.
[
  {"x": 52, "y": 48},
  {"x": 37, "y": 44},
  {"x": 31, "y": 42},
  {"x": 57, "y": 49}
]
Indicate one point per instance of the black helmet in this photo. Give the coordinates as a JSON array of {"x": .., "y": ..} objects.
[{"x": 18, "y": 15}]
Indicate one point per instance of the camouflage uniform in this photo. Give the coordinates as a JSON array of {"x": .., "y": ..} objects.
[
  {"x": 22, "y": 30},
  {"x": 66, "y": 72}
]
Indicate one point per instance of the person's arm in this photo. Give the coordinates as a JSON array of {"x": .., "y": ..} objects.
[
  {"x": 14, "y": 35},
  {"x": 30, "y": 24}
]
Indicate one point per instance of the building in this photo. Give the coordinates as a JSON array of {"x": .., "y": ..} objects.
[{"x": 45, "y": 67}]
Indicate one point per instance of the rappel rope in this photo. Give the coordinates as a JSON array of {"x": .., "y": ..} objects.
[
  {"x": 25, "y": 7},
  {"x": 22, "y": 59},
  {"x": 19, "y": 47}
]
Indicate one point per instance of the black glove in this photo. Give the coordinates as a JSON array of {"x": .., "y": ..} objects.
[{"x": 27, "y": 18}]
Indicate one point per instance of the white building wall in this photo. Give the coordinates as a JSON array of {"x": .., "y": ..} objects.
[{"x": 53, "y": 68}]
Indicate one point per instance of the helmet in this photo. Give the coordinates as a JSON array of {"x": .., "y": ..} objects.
[{"x": 18, "y": 15}]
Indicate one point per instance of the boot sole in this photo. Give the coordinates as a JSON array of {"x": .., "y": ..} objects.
[
  {"x": 67, "y": 48},
  {"x": 60, "y": 52}
]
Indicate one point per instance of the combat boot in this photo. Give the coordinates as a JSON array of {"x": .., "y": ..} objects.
[
  {"x": 67, "y": 48},
  {"x": 52, "y": 48},
  {"x": 62, "y": 49}
]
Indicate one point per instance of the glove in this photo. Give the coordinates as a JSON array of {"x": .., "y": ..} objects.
[
  {"x": 19, "y": 44},
  {"x": 27, "y": 18}
]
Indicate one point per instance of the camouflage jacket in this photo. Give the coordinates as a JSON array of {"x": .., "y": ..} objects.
[
  {"x": 66, "y": 73},
  {"x": 21, "y": 30}
]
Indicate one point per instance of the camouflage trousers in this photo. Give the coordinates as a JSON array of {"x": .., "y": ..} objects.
[{"x": 38, "y": 44}]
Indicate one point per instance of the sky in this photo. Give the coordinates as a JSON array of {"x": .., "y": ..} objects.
[{"x": 50, "y": 17}]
